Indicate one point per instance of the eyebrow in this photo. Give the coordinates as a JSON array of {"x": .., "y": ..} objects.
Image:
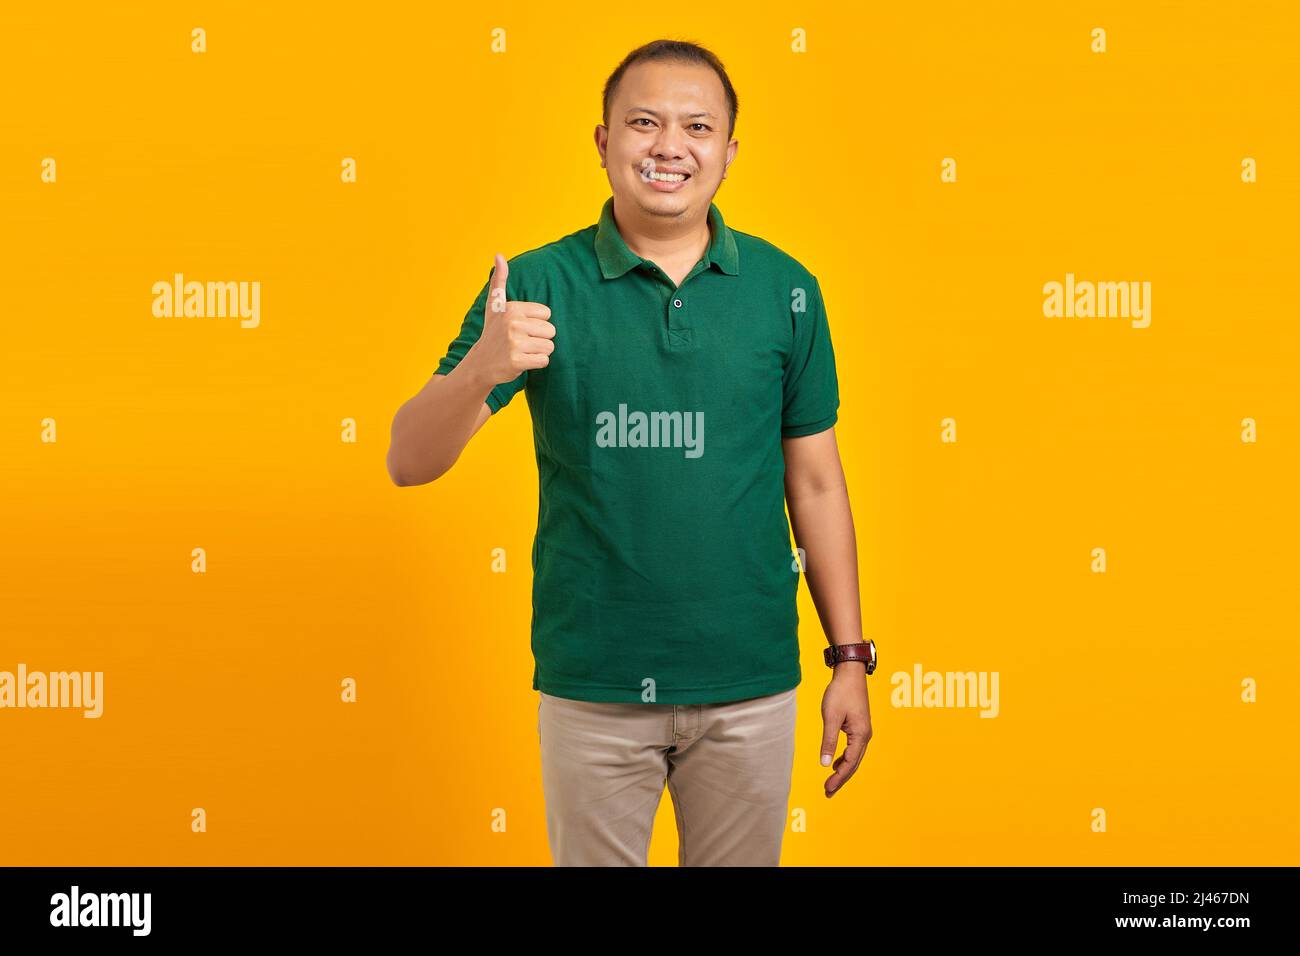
[{"x": 646, "y": 109}]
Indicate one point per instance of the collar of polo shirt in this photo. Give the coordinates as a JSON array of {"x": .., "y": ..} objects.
[{"x": 616, "y": 258}]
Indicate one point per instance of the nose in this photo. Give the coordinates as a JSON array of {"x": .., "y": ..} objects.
[{"x": 668, "y": 145}]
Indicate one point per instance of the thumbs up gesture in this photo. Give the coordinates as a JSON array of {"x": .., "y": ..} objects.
[{"x": 517, "y": 336}]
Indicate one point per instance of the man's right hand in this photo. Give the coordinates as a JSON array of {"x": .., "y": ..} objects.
[{"x": 516, "y": 337}]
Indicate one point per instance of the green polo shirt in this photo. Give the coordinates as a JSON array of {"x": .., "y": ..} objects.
[{"x": 662, "y": 565}]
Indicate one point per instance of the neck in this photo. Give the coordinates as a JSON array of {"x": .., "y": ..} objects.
[{"x": 662, "y": 239}]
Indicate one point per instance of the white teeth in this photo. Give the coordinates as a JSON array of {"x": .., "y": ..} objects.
[{"x": 667, "y": 177}]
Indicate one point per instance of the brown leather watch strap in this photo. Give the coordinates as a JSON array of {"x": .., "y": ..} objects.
[{"x": 865, "y": 652}]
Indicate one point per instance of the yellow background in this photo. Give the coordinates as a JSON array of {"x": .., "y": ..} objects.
[{"x": 1119, "y": 690}]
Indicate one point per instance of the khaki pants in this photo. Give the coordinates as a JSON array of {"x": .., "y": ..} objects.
[{"x": 727, "y": 767}]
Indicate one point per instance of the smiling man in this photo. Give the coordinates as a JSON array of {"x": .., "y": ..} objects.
[{"x": 665, "y": 632}]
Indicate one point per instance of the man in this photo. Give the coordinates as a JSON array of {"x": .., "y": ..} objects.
[{"x": 683, "y": 391}]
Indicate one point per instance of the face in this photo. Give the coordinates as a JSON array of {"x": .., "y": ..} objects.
[{"x": 667, "y": 145}]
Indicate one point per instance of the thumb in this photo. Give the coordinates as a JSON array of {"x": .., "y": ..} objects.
[
  {"x": 497, "y": 285},
  {"x": 830, "y": 737}
]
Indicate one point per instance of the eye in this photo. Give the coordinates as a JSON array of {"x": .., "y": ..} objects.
[
  {"x": 639, "y": 118},
  {"x": 702, "y": 124}
]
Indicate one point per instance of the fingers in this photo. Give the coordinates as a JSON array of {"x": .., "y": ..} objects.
[
  {"x": 535, "y": 345},
  {"x": 538, "y": 328},
  {"x": 533, "y": 310},
  {"x": 525, "y": 361},
  {"x": 847, "y": 764}
]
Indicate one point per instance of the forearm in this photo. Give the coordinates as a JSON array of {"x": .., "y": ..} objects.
[
  {"x": 432, "y": 428},
  {"x": 823, "y": 528}
]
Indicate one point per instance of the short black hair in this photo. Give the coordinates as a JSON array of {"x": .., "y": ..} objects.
[{"x": 681, "y": 51}]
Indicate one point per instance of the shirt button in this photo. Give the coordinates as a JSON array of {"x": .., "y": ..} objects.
[{"x": 677, "y": 303}]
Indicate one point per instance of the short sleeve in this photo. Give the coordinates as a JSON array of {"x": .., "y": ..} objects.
[
  {"x": 470, "y": 330},
  {"x": 810, "y": 386}
]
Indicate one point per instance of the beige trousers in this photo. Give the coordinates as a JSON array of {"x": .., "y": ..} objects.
[{"x": 727, "y": 767}]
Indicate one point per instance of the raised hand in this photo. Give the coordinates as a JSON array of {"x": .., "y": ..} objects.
[{"x": 517, "y": 336}]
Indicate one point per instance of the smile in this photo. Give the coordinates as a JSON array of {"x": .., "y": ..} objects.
[{"x": 664, "y": 181}]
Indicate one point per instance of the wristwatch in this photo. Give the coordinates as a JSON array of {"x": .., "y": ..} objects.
[{"x": 852, "y": 652}]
